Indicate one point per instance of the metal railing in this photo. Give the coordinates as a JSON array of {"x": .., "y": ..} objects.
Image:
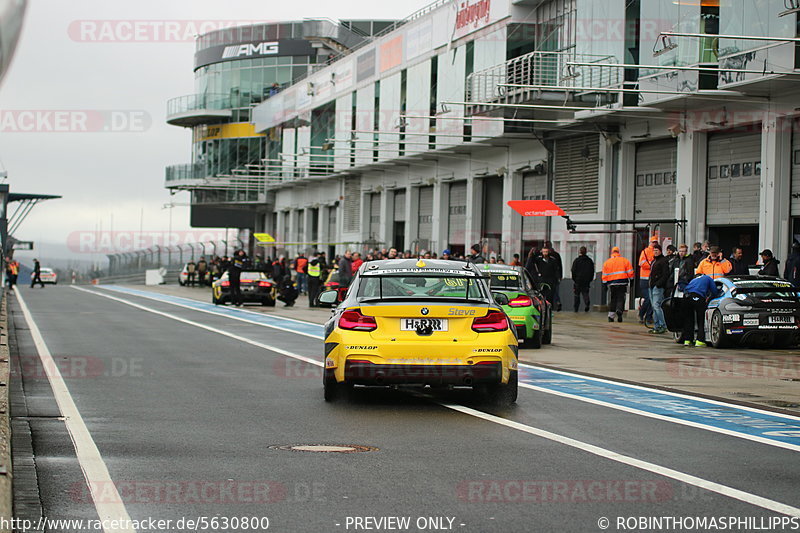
[
  {"x": 189, "y": 171},
  {"x": 240, "y": 185},
  {"x": 194, "y": 102},
  {"x": 541, "y": 69}
]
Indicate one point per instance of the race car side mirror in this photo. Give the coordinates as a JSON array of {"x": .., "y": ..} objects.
[
  {"x": 328, "y": 298},
  {"x": 500, "y": 298}
]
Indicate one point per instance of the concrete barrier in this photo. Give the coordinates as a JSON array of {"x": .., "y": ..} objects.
[{"x": 6, "y": 507}]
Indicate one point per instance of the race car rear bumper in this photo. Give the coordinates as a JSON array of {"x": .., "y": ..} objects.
[{"x": 366, "y": 373}]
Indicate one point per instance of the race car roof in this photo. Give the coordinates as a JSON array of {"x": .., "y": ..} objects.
[
  {"x": 420, "y": 266},
  {"x": 500, "y": 269},
  {"x": 738, "y": 279}
]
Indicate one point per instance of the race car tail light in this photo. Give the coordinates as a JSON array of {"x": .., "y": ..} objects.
[
  {"x": 354, "y": 320},
  {"x": 494, "y": 321},
  {"x": 226, "y": 283},
  {"x": 521, "y": 301},
  {"x": 264, "y": 284}
]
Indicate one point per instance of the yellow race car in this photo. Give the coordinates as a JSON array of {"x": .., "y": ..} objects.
[{"x": 427, "y": 322}]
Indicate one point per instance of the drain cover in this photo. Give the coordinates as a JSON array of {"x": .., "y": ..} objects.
[{"x": 326, "y": 448}]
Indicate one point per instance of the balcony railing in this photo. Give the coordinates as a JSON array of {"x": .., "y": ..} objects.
[
  {"x": 184, "y": 173},
  {"x": 196, "y": 102},
  {"x": 539, "y": 70}
]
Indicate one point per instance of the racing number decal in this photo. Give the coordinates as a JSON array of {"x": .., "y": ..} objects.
[{"x": 454, "y": 282}]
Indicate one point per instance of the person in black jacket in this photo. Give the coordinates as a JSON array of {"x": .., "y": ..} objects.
[
  {"x": 740, "y": 266},
  {"x": 237, "y": 264},
  {"x": 36, "y": 275},
  {"x": 686, "y": 268},
  {"x": 559, "y": 274},
  {"x": 530, "y": 263},
  {"x": 659, "y": 276},
  {"x": 769, "y": 264},
  {"x": 547, "y": 266},
  {"x": 791, "y": 271},
  {"x": 674, "y": 261},
  {"x": 475, "y": 256},
  {"x": 582, "y": 276}
]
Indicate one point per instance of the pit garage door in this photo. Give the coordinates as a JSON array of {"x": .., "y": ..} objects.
[
  {"x": 734, "y": 173},
  {"x": 457, "y": 216},
  {"x": 374, "y": 218},
  {"x": 576, "y": 186},
  {"x": 399, "y": 228},
  {"x": 796, "y": 169},
  {"x": 331, "y": 234},
  {"x": 656, "y": 173},
  {"x": 534, "y": 229},
  {"x": 425, "y": 230}
]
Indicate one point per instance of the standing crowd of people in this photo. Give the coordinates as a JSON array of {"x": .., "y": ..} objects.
[
  {"x": 661, "y": 272},
  {"x": 691, "y": 276}
]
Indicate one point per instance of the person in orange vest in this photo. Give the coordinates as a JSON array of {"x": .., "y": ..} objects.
[
  {"x": 714, "y": 265},
  {"x": 617, "y": 273},
  {"x": 12, "y": 272},
  {"x": 646, "y": 259}
]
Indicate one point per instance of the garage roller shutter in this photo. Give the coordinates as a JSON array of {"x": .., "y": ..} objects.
[
  {"x": 400, "y": 206},
  {"x": 796, "y": 169},
  {"x": 425, "y": 217},
  {"x": 534, "y": 187},
  {"x": 656, "y": 165},
  {"x": 576, "y": 174},
  {"x": 352, "y": 204},
  {"x": 374, "y": 216},
  {"x": 734, "y": 175},
  {"x": 457, "y": 217},
  {"x": 301, "y": 225},
  {"x": 332, "y": 235}
]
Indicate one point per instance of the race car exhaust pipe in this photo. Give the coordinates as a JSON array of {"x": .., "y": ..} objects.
[
  {"x": 468, "y": 379},
  {"x": 379, "y": 378}
]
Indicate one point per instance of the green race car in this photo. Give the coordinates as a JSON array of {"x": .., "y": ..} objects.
[{"x": 530, "y": 312}]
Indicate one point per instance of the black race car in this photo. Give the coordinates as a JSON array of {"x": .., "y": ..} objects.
[
  {"x": 256, "y": 287},
  {"x": 755, "y": 310}
]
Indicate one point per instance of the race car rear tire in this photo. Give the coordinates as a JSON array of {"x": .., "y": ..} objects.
[
  {"x": 547, "y": 332},
  {"x": 333, "y": 390},
  {"x": 268, "y": 302},
  {"x": 500, "y": 394},
  {"x": 534, "y": 342},
  {"x": 718, "y": 337},
  {"x": 215, "y": 301}
]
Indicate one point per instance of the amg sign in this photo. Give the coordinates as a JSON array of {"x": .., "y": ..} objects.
[
  {"x": 254, "y": 49},
  {"x": 250, "y": 49}
]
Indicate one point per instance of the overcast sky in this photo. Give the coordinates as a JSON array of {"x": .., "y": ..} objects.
[{"x": 119, "y": 173}]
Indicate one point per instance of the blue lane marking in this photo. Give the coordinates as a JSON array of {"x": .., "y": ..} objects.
[
  {"x": 741, "y": 420},
  {"x": 770, "y": 426},
  {"x": 295, "y": 325}
]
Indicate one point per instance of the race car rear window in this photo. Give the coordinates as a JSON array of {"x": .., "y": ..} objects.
[
  {"x": 422, "y": 287},
  {"x": 506, "y": 281},
  {"x": 252, "y": 275},
  {"x": 766, "y": 289}
]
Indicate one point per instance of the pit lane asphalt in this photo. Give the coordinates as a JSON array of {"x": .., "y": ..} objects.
[{"x": 168, "y": 402}]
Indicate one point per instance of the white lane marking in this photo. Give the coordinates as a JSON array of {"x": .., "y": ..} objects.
[
  {"x": 665, "y": 392},
  {"x": 217, "y": 313},
  {"x": 631, "y": 410},
  {"x": 104, "y": 493},
  {"x": 665, "y": 418},
  {"x": 208, "y": 328},
  {"x": 688, "y": 479}
]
